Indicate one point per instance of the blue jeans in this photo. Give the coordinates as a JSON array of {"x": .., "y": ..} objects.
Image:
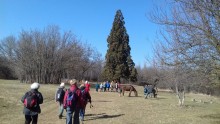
[
  {"x": 69, "y": 116},
  {"x": 82, "y": 113},
  {"x": 61, "y": 109}
]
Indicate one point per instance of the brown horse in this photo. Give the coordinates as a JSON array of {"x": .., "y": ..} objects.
[{"x": 129, "y": 88}]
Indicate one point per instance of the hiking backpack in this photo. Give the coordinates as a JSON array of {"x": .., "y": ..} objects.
[
  {"x": 145, "y": 90},
  {"x": 30, "y": 100},
  {"x": 60, "y": 95},
  {"x": 71, "y": 99},
  {"x": 84, "y": 97}
]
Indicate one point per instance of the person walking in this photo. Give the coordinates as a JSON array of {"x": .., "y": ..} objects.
[
  {"x": 97, "y": 87},
  {"x": 72, "y": 103},
  {"x": 32, "y": 100},
  {"x": 87, "y": 85},
  {"x": 59, "y": 99},
  {"x": 116, "y": 86},
  {"x": 85, "y": 98},
  {"x": 101, "y": 87},
  {"x": 107, "y": 85}
]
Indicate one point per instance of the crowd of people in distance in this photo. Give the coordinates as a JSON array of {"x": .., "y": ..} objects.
[{"x": 107, "y": 86}]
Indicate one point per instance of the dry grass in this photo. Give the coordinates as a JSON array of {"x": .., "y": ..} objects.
[{"x": 109, "y": 108}]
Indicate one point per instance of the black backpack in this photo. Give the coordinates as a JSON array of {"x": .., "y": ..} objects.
[
  {"x": 30, "y": 100},
  {"x": 83, "y": 95},
  {"x": 60, "y": 95}
]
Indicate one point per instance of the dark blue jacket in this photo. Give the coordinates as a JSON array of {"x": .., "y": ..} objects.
[
  {"x": 97, "y": 86},
  {"x": 36, "y": 109}
]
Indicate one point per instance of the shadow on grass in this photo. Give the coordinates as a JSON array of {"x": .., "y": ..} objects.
[
  {"x": 212, "y": 116},
  {"x": 133, "y": 96},
  {"x": 95, "y": 114},
  {"x": 101, "y": 116},
  {"x": 157, "y": 98},
  {"x": 101, "y": 101},
  {"x": 215, "y": 117}
]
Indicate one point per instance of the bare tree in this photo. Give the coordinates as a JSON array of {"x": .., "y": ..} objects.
[
  {"x": 189, "y": 46},
  {"x": 48, "y": 56}
]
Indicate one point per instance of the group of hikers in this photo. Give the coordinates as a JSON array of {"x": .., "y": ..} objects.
[
  {"x": 73, "y": 100},
  {"x": 107, "y": 86},
  {"x": 150, "y": 91}
]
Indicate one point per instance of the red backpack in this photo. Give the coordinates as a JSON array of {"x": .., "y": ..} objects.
[{"x": 30, "y": 100}]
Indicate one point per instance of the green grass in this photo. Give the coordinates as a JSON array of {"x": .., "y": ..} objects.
[{"x": 109, "y": 108}]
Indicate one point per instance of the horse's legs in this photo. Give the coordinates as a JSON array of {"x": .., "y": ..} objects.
[{"x": 130, "y": 93}]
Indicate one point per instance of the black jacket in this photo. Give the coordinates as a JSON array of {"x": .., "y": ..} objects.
[{"x": 36, "y": 109}]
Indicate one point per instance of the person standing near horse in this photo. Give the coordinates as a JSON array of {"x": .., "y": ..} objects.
[
  {"x": 85, "y": 98},
  {"x": 32, "y": 100},
  {"x": 59, "y": 96},
  {"x": 101, "y": 87},
  {"x": 72, "y": 102},
  {"x": 111, "y": 86},
  {"x": 116, "y": 86},
  {"x": 97, "y": 87},
  {"x": 107, "y": 85},
  {"x": 149, "y": 90},
  {"x": 104, "y": 86},
  {"x": 120, "y": 89}
]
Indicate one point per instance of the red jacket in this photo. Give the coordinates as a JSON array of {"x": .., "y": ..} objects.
[
  {"x": 86, "y": 97},
  {"x": 87, "y": 86},
  {"x": 78, "y": 92}
]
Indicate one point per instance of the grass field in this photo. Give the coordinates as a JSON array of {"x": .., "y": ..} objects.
[{"x": 109, "y": 108}]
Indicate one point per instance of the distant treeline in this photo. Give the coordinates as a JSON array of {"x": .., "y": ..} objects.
[{"x": 48, "y": 56}]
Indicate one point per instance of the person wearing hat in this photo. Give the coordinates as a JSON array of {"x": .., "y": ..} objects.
[
  {"x": 75, "y": 106},
  {"x": 59, "y": 98},
  {"x": 32, "y": 100},
  {"x": 84, "y": 100},
  {"x": 87, "y": 85}
]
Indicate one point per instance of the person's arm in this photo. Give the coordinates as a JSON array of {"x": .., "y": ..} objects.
[
  {"x": 64, "y": 100},
  {"x": 41, "y": 99},
  {"x": 56, "y": 96},
  {"x": 89, "y": 97},
  {"x": 23, "y": 97}
]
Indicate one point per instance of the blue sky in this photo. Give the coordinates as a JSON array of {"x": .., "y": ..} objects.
[{"x": 90, "y": 20}]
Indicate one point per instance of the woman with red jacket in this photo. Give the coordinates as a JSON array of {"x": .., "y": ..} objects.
[
  {"x": 85, "y": 98},
  {"x": 87, "y": 85}
]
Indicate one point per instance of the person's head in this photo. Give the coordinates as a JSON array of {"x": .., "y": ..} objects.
[
  {"x": 73, "y": 82},
  {"x": 35, "y": 86},
  {"x": 86, "y": 82},
  {"x": 62, "y": 84}
]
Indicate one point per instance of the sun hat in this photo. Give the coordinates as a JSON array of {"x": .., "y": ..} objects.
[
  {"x": 62, "y": 84},
  {"x": 73, "y": 81}
]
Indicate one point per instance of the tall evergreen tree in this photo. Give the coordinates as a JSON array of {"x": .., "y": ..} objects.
[{"x": 118, "y": 59}]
